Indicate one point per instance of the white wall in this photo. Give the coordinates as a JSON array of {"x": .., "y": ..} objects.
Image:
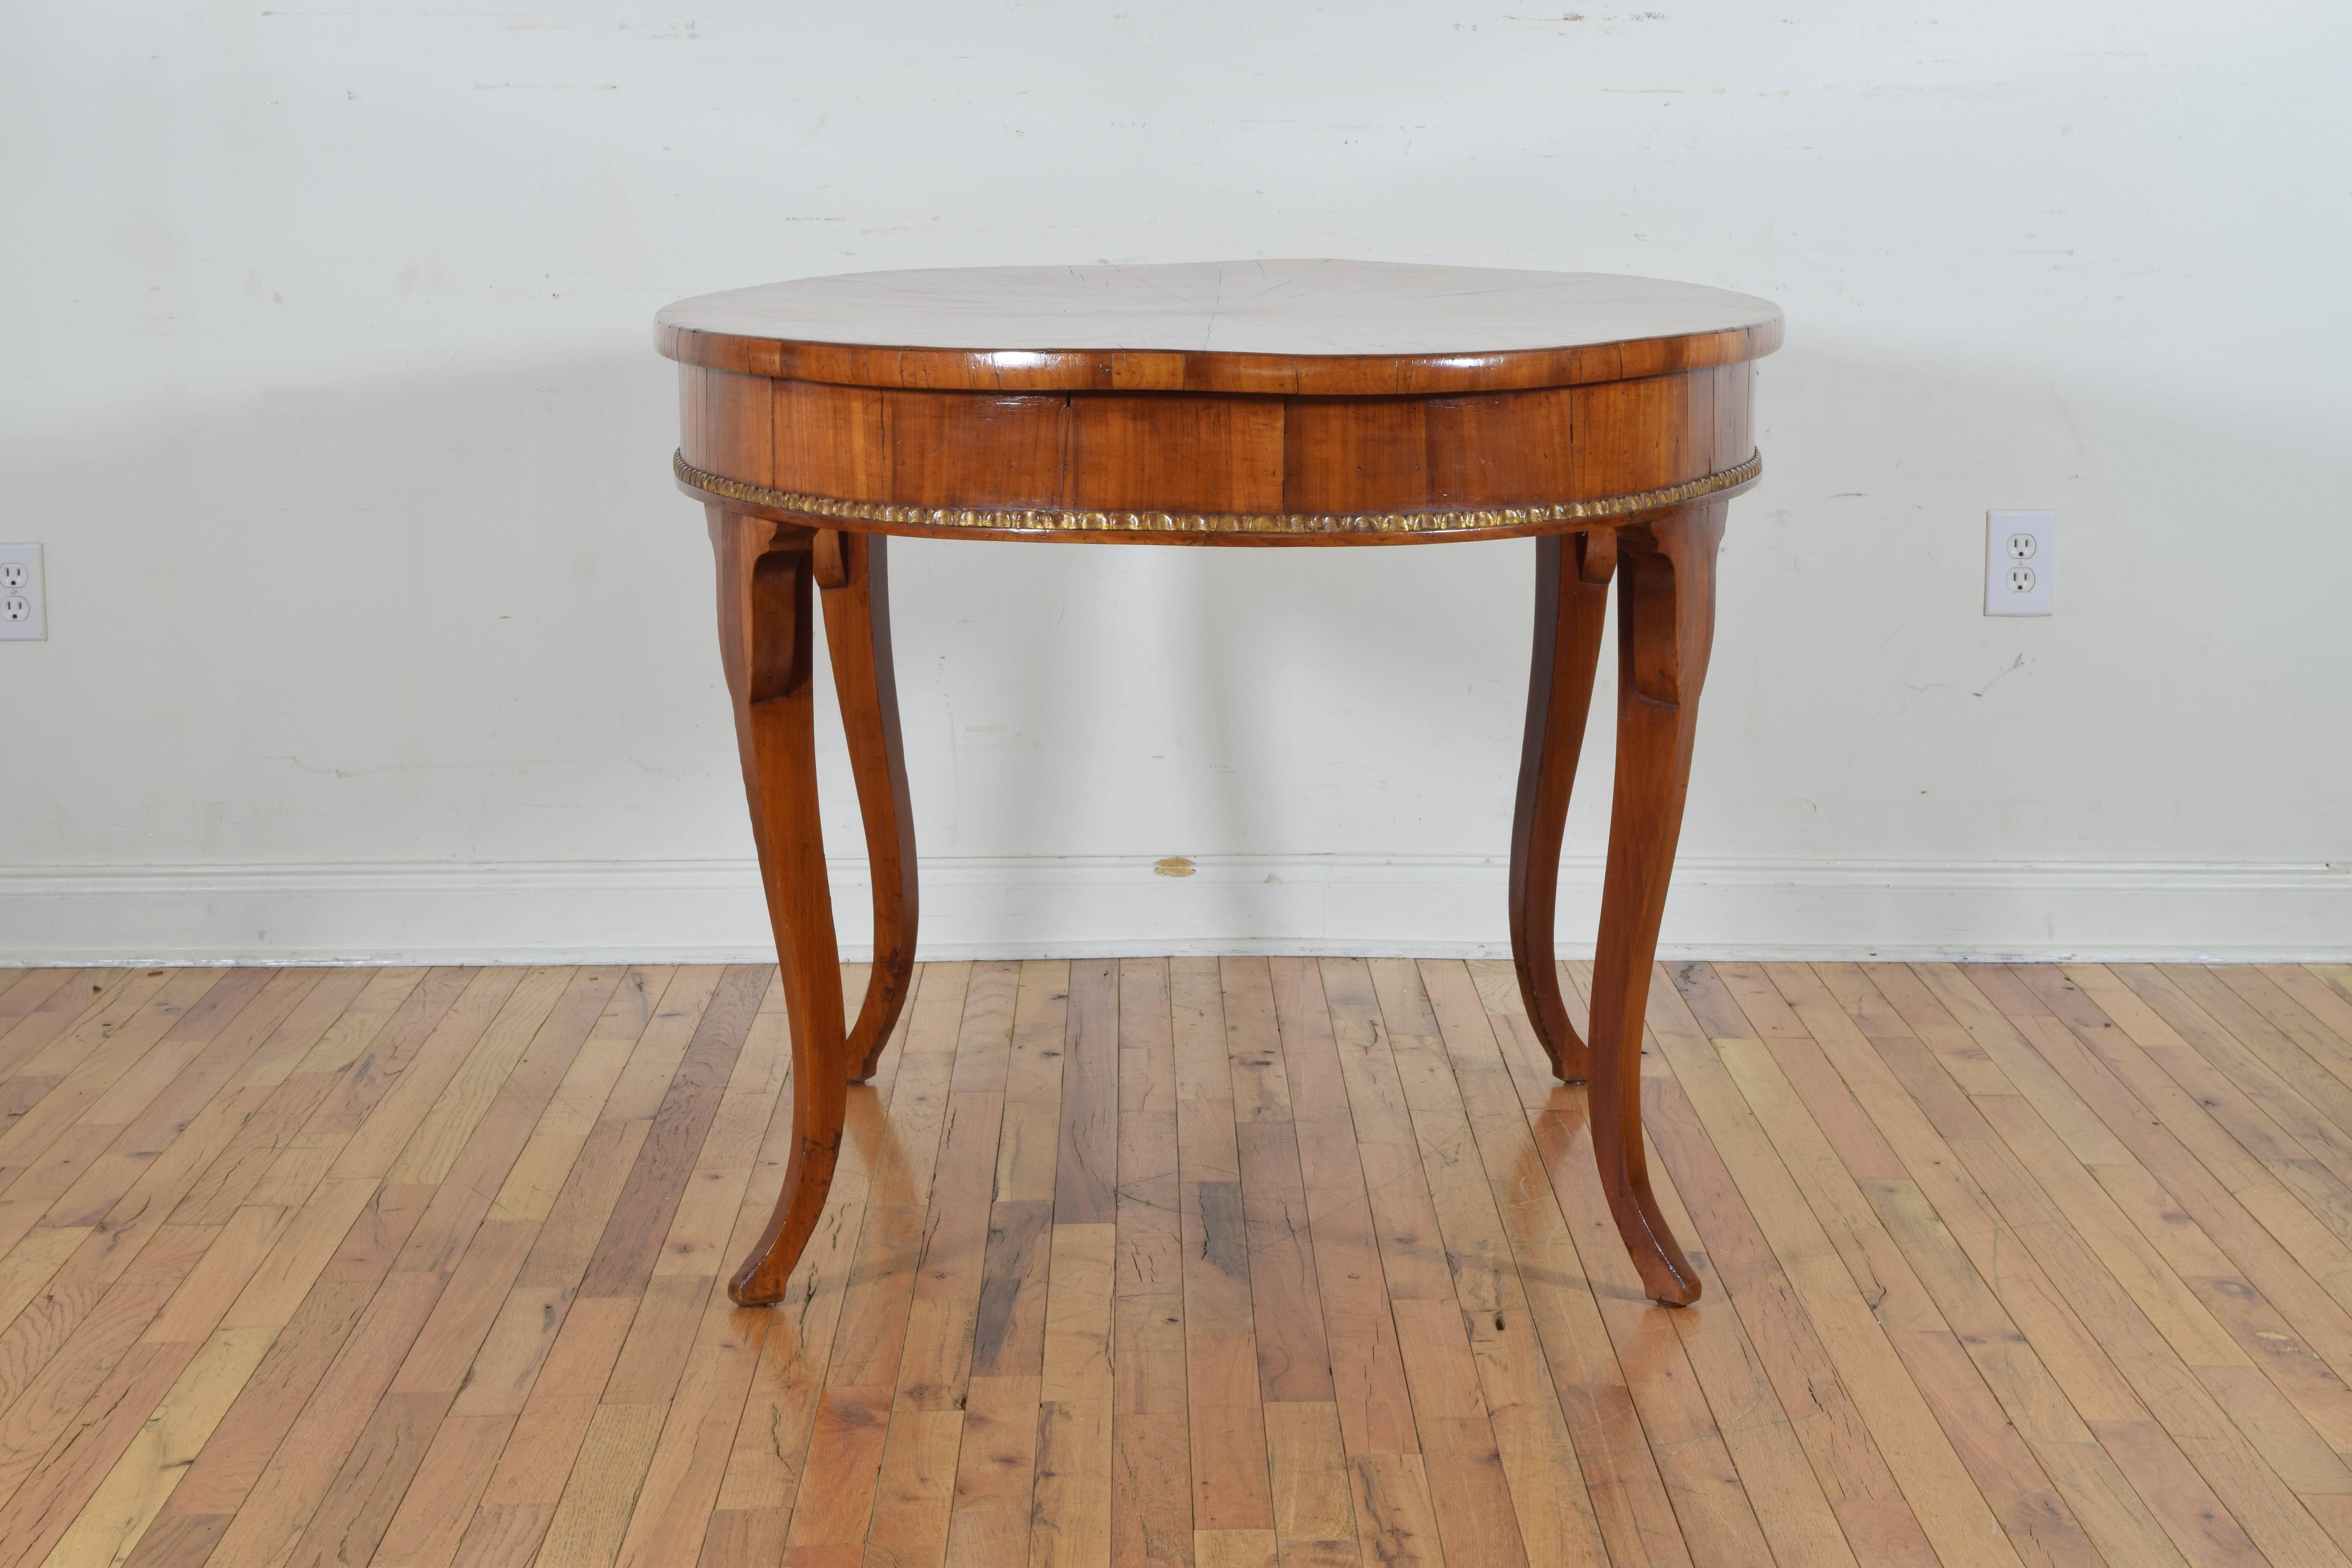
[{"x": 378, "y": 629}]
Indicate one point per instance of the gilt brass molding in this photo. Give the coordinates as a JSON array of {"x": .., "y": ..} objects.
[{"x": 1055, "y": 519}]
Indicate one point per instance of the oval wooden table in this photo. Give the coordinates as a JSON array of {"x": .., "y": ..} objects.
[{"x": 1246, "y": 403}]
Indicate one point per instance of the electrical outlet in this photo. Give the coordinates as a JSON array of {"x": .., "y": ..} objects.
[
  {"x": 2021, "y": 553},
  {"x": 22, "y": 618}
]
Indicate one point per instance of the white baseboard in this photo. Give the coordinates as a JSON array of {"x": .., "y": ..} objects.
[{"x": 707, "y": 911}]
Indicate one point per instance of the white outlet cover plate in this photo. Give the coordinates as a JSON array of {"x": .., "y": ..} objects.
[
  {"x": 34, "y": 626},
  {"x": 2020, "y": 546}
]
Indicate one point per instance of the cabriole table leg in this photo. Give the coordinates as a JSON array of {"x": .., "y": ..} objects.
[
  {"x": 765, "y": 610},
  {"x": 853, "y": 570},
  {"x": 1665, "y": 624},
  {"x": 1573, "y": 575}
]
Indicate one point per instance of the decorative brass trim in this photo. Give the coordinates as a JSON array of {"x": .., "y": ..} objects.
[{"x": 1038, "y": 520}]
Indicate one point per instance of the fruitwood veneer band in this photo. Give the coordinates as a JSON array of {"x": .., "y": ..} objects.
[{"x": 1046, "y": 520}]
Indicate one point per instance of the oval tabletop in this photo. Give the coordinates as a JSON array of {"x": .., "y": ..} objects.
[
  {"x": 1225, "y": 401},
  {"x": 1315, "y": 327}
]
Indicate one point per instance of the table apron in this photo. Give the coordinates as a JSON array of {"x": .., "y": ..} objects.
[{"x": 1182, "y": 468}]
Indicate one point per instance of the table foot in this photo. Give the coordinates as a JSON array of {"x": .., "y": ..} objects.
[
  {"x": 765, "y": 615},
  {"x": 1666, "y": 625}
]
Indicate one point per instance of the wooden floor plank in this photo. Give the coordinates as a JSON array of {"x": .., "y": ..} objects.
[
  {"x": 2309, "y": 990},
  {"x": 1847, "y": 1469},
  {"x": 996, "y": 1457},
  {"x": 1506, "y": 1094},
  {"x": 206, "y": 1282},
  {"x": 1151, "y": 1477},
  {"x": 935, "y": 1374},
  {"x": 2268, "y": 1291},
  {"x": 1389, "y": 1485},
  {"x": 1873, "y": 1125},
  {"x": 1461, "y": 1455},
  {"x": 559, "y": 1348},
  {"x": 147, "y": 1104},
  {"x": 159, "y": 1151},
  {"x": 1286, "y": 1298},
  {"x": 1306, "y": 1465},
  {"x": 71, "y": 1007},
  {"x": 912, "y": 1490},
  {"x": 2265, "y": 1162},
  {"x": 1866, "y": 1310},
  {"x": 454, "y": 1238},
  {"x": 1943, "y": 1210},
  {"x": 1233, "y": 1489},
  {"x": 2291, "y": 1087},
  {"x": 713, "y": 1228},
  {"x": 1716, "y": 1515},
  {"x": 638, "y": 1259},
  {"x": 791, "y": 1425},
  {"x": 1290, "y": 1263},
  {"x": 78, "y": 1068},
  {"x": 2255, "y": 1011},
  {"x": 2336, "y": 977},
  {"x": 333, "y": 1449},
  {"x": 1436, "y": 1041},
  {"x": 2293, "y": 1405},
  {"x": 22, "y": 990},
  {"x": 2159, "y": 1336},
  {"x": 1070, "y": 1516}
]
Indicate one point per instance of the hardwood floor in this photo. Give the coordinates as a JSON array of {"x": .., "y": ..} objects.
[{"x": 1227, "y": 1262}]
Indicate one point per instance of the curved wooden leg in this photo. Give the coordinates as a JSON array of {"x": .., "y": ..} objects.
[
  {"x": 1665, "y": 624},
  {"x": 1571, "y": 600},
  {"x": 852, "y": 569},
  {"x": 764, "y": 622}
]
